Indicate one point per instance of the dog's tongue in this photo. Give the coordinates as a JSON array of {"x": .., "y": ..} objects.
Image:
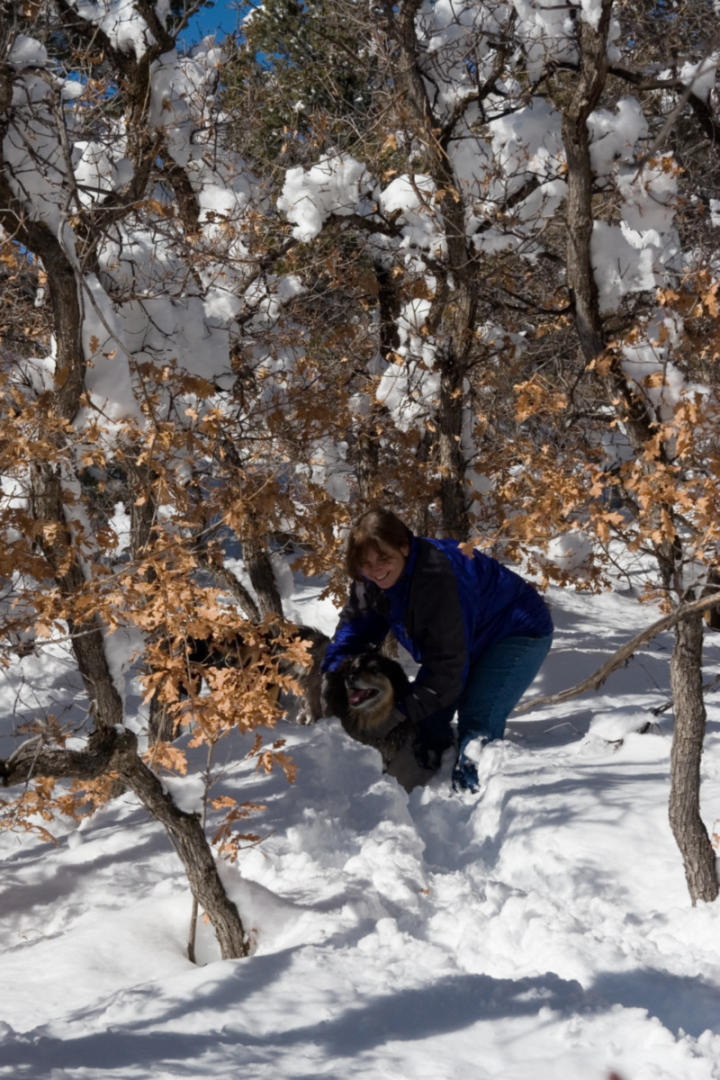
[{"x": 356, "y": 696}]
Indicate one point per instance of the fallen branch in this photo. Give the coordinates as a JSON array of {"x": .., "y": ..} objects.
[
  {"x": 594, "y": 681},
  {"x": 660, "y": 709}
]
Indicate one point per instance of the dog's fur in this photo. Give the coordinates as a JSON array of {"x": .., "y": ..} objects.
[
  {"x": 203, "y": 653},
  {"x": 361, "y": 693}
]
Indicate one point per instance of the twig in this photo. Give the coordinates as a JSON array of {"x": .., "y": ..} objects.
[
  {"x": 660, "y": 709},
  {"x": 594, "y": 681}
]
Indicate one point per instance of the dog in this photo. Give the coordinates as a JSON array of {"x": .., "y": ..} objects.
[
  {"x": 236, "y": 651},
  {"x": 362, "y": 693}
]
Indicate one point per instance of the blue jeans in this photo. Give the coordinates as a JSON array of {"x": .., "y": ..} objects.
[{"x": 495, "y": 683}]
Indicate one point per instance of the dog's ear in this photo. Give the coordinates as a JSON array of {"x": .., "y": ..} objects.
[{"x": 396, "y": 675}]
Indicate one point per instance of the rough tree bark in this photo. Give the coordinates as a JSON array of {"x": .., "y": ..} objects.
[
  {"x": 262, "y": 577},
  {"x": 686, "y": 678},
  {"x": 451, "y": 321},
  {"x": 111, "y": 748},
  {"x": 685, "y": 821},
  {"x": 188, "y": 838}
]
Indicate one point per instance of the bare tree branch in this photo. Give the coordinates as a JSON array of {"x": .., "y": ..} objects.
[{"x": 594, "y": 681}]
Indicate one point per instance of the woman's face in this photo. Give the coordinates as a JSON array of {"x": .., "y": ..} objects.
[{"x": 384, "y": 565}]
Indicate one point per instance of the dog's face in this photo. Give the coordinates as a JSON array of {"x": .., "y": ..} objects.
[
  {"x": 370, "y": 692},
  {"x": 371, "y": 685},
  {"x": 361, "y": 692}
]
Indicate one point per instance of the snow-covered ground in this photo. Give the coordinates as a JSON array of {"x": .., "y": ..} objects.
[{"x": 539, "y": 931}]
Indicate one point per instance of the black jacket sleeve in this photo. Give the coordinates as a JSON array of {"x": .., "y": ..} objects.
[{"x": 434, "y": 621}]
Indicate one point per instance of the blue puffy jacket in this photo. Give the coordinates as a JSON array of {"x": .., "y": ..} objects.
[{"x": 447, "y": 608}]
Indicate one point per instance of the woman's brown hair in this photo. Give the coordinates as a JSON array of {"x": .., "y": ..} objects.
[{"x": 375, "y": 530}]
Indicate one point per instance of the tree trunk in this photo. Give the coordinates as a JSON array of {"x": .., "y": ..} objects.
[
  {"x": 262, "y": 576},
  {"x": 684, "y": 811},
  {"x": 226, "y": 580},
  {"x": 46, "y": 500},
  {"x": 110, "y": 748},
  {"x": 453, "y": 496},
  {"x": 188, "y": 838},
  {"x": 184, "y": 830},
  {"x": 686, "y": 680},
  {"x": 452, "y": 318},
  {"x": 592, "y": 46},
  {"x": 363, "y": 455},
  {"x": 115, "y": 750}
]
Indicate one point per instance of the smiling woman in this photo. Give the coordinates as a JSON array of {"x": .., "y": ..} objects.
[
  {"x": 384, "y": 565},
  {"x": 479, "y": 632}
]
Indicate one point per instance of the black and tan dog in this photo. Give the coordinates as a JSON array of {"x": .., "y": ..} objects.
[{"x": 362, "y": 693}]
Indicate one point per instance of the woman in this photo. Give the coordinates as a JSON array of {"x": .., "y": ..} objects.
[{"x": 479, "y": 632}]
